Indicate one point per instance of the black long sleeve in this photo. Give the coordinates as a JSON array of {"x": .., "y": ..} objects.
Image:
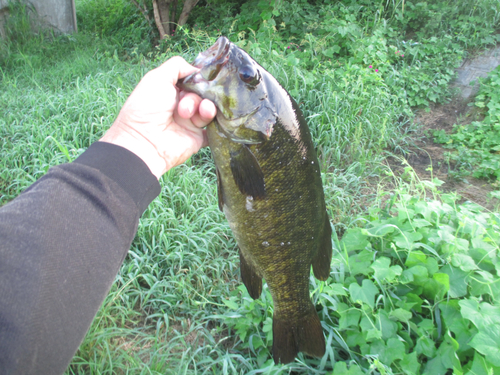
[{"x": 62, "y": 242}]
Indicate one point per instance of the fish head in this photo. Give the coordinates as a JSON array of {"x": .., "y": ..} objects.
[{"x": 239, "y": 87}]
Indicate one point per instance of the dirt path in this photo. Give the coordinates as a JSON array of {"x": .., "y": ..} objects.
[{"x": 427, "y": 153}]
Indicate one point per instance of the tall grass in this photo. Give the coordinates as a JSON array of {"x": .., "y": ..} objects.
[{"x": 177, "y": 306}]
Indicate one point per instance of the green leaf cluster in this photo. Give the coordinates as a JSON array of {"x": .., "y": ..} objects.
[
  {"x": 477, "y": 144},
  {"x": 417, "y": 289}
]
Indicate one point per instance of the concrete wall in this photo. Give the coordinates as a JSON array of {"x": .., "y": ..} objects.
[{"x": 57, "y": 14}]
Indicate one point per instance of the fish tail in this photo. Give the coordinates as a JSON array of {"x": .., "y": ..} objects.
[
  {"x": 323, "y": 258},
  {"x": 303, "y": 335}
]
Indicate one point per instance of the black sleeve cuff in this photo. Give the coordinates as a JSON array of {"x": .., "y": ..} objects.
[{"x": 125, "y": 168}]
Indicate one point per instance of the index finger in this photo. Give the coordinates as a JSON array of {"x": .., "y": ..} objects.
[{"x": 175, "y": 68}]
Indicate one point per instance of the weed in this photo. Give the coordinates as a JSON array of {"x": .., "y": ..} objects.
[
  {"x": 414, "y": 283},
  {"x": 478, "y": 143}
]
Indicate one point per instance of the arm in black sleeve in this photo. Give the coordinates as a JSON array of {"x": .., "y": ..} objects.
[{"x": 62, "y": 242}]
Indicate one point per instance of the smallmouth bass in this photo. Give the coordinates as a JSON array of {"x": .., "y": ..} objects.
[{"x": 269, "y": 187}]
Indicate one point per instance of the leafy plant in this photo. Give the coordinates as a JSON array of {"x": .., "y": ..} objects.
[
  {"x": 478, "y": 143},
  {"x": 414, "y": 285}
]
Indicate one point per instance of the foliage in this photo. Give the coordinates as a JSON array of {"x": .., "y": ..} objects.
[
  {"x": 415, "y": 290},
  {"x": 478, "y": 143},
  {"x": 414, "y": 284},
  {"x": 118, "y": 20}
]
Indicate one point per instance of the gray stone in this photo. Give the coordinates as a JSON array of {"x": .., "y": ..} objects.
[
  {"x": 473, "y": 68},
  {"x": 59, "y": 15}
]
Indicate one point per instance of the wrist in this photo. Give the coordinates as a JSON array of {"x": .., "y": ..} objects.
[{"x": 140, "y": 146}]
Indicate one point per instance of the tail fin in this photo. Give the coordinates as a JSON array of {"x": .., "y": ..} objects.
[{"x": 304, "y": 335}]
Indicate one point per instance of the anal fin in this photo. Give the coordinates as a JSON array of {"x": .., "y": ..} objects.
[
  {"x": 252, "y": 281},
  {"x": 323, "y": 258},
  {"x": 220, "y": 191},
  {"x": 246, "y": 170}
]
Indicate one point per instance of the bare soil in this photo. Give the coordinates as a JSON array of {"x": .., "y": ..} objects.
[{"x": 427, "y": 153}]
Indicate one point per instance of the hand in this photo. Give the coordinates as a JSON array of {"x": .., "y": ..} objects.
[{"x": 161, "y": 125}]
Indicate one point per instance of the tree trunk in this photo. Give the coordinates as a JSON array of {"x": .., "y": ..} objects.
[
  {"x": 159, "y": 26},
  {"x": 186, "y": 9},
  {"x": 165, "y": 12},
  {"x": 174, "y": 11},
  {"x": 164, "y": 7}
]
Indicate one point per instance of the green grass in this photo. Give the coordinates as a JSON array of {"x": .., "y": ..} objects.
[{"x": 177, "y": 306}]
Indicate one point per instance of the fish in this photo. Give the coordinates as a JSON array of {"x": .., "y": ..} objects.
[{"x": 270, "y": 190}]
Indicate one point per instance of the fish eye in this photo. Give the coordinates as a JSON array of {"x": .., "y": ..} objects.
[{"x": 248, "y": 75}]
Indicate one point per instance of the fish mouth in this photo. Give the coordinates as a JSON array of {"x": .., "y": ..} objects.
[
  {"x": 210, "y": 63},
  {"x": 213, "y": 55}
]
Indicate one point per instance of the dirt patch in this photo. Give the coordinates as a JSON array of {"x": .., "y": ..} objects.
[{"x": 428, "y": 158}]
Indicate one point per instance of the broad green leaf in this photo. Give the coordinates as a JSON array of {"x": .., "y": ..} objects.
[
  {"x": 377, "y": 347},
  {"x": 365, "y": 293},
  {"x": 411, "y": 301},
  {"x": 480, "y": 243},
  {"x": 444, "y": 280},
  {"x": 447, "y": 352},
  {"x": 481, "y": 367},
  {"x": 340, "y": 368},
  {"x": 457, "y": 284},
  {"x": 416, "y": 274},
  {"x": 360, "y": 263},
  {"x": 292, "y": 60},
  {"x": 410, "y": 364},
  {"x": 354, "y": 338},
  {"x": 435, "y": 366},
  {"x": 406, "y": 239},
  {"x": 335, "y": 289},
  {"x": 452, "y": 318},
  {"x": 426, "y": 327},
  {"x": 386, "y": 325},
  {"x": 231, "y": 304},
  {"x": 432, "y": 266},
  {"x": 425, "y": 346},
  {"x": 370, "y": 328},
  {"x": 420, "y": 223},
  {"x": 379, "y": 231},
  {"x": 487, "y": 342},
  {"x": 415, "y": 258},
  {"x": 464, "y": 262},
  {"x": 353, "y": 239},
  {"x": 349, "y": 318},
  {"x": 395, "y": 350},
  {"x": 483, "y": 282},
  {"x": 401, "y": 315},
  {"x": 482, "y": 315},
  {"x": 383, "y": 270}
]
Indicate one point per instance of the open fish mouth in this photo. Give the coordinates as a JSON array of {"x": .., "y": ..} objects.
[
  {"x": 216, "y": 54},
  {"x": 210, "y": 63}
]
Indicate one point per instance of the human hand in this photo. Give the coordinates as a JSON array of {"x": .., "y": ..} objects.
[{"x": 161, "y": 125}]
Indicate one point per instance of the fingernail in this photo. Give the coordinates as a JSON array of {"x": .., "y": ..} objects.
[{"x": 190, "y": 107}]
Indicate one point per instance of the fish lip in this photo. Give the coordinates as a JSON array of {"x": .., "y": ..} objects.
[{"x": 215, "y": 53}]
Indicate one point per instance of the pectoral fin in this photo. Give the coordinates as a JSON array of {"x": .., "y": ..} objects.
[
  {"x": 252, "y": 281},
  {"x": 246, "y": 170}
]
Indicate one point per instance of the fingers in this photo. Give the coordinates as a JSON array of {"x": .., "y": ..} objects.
[
  {"x": 200, "y": 111},
  {"x": 175, "y": 68}
]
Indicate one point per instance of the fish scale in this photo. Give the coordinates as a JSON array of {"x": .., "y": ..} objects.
[{"x": 270, "y": 189}]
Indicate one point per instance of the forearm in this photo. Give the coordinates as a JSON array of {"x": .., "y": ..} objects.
[{"x": 61, "y": 245}]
